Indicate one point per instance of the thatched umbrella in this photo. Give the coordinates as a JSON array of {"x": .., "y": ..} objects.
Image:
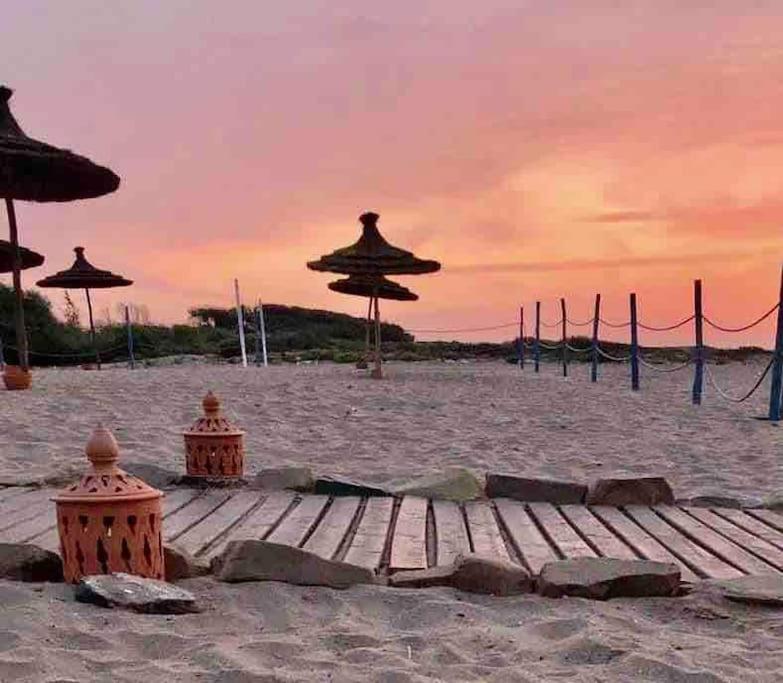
[
  {"x": 29, "y": 258},
  {"x": 35, "y": 171},
  {"x": 372, "y": 255},
  {"x": 83, "y": 275},
  {"x": 373, "y": 287}
]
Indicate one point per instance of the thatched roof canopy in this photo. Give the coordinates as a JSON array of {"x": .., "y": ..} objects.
[
  {"x": 83, "y": 275},
  {"x": 373, "y": 285},
  {"x": 30, "y": 258},
  {"x": 34, "y": 171},
  {"x": 373, "y": 255}
]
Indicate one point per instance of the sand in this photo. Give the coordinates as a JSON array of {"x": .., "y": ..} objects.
[{"x": 483, "y": 416}]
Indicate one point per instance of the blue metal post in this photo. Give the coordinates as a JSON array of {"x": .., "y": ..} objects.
[
  {"x": 634, "y": 346},
  {"x": 537, "y": 343},
  {"x": 777, "y": 364},
  {"x": 565, "y": 338},
  {"x": 596, "y": 318},
  {"x": 698, "y": 375},
  {"x": 521, "y": 337}
]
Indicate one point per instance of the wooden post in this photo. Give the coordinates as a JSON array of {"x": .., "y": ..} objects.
[
  {"x": 596, "y": 319},
  {"x": 777, "y": 364},
  {"x": 565, "y": 338},
  {"x": 521, "y": 337},
  {"x": 537, "y": 343},
  {"x": 698, "y": 320},
  {"x": 634, "y": 345},
  {"x": 21, "y": 336},
  {"x": 378, "y": 371},
  {"x": 261, "y": 355},
  {"x": 131, "y": 359},
  {"x": 92, "y": 330},
  {"x": 240, "y": 324}
]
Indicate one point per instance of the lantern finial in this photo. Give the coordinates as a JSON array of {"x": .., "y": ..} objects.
[
  {"x": 102, "y": 449},
  {"x": 211, "y": 404}
]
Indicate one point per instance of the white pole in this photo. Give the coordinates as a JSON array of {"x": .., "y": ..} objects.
[
  {"x": 241, "y": 324},
  {"x": 263, "y": 332}
]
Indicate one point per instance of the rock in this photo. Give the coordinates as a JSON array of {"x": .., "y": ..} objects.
[
  {"x": 774, "y": 501},
  {"x": 601, "y": 578},
  {"x": 631, "y": 491},
  {"x": 278, "y": 478},
  {"x": 157, "y": 477},
  {"x": 344, "y": 487},
  {"x": 180, "y": 564},
  {"x": 191, "y": 481},
  {"x": 472, "y": 574},
  {"x": 534, "y": 490},
  {"x": 135, "y": 593},
  {"x": 24, "y": 562},
  {"x": 709, "y": 500},
  {"x": 455, "y": 483},
  {"x": 766, "y": 590},
  {"x": 265, "y": 561}
]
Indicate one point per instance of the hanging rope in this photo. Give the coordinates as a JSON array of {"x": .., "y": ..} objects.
[
  {"x": 466, "y": 329},
  {"x": 557, "y": 324},
  {"x": 665, "y": 368},
  {"x": 735, "y": 399},
  {"x": 575, "y": 350},
  {"x": 580, "y": 324},
  {"x": 550, "y": 347},
  {"x": 652, "y": 328},
  {"x": 616, "y": 359},
  {"x": 745, "y": 327},
  {"x": 615, "y": 325}
]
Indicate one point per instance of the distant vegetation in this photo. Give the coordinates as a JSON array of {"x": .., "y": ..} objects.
[{"x": 293, "y": 334}]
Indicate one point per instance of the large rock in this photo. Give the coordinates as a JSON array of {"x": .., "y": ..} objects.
[
  {"x": 472, "y": 574},
  {"x": 534, "y": 490},
  {"x": 455, "y": 483},
  {"x": 157, "y": 477},
  {"x": 180, "y": 564},
  {"x": 717, "y": 500},
  {"x": 631, "y": 491},
  {"x": 135, "y": 593},
  {"x": 279, "y": 478},
  {"x": 755, "y": 590},
  {"x": 774, "y": 501},
  {"x": 601, "y": 578},
  {"x": 265, "y": 561},
  {"x": 344, "y": 487},
  {"x": 20, "y": 562}
]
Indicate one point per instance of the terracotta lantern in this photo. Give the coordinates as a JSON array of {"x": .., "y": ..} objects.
[
  {"x": 109, "y": 521},
  {"x": 213, "y": 446}
]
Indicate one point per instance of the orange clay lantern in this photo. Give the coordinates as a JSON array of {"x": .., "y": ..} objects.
[
  {"x": 109, "y": 521},
  {"x": 213, "y": 446}
]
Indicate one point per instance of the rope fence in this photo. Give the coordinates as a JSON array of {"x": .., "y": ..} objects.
[{"x": 698, "y": 352}]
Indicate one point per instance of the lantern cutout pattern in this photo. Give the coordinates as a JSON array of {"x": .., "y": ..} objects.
[
  {"x": 213, "y": 446},
  {"x": 109, "y": 521}
]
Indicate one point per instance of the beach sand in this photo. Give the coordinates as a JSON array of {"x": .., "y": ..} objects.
[{"x": 485, "y": 416}]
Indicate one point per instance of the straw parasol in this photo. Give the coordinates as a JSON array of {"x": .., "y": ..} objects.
[
  {"x": 371, "y": 286},
  {"x": 372, "y": 256},
  {"x": 35, "y": 171},
  {"x": 83, "y": 275},
  {"x": 28, "y": 257}
]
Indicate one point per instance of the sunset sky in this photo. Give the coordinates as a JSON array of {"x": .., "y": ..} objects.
[{"x": 537, "y": 148}]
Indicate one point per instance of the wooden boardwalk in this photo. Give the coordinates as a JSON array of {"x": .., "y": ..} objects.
[{"x": 388, "y": 534}]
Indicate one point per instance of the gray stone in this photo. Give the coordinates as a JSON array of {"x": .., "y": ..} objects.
[
  {"x": 601, "y": 578},
  {"x": 157, "y": 477},
  {"x": 710, "y": 500},
  {"x": 765, "y": 590},
  {"x": 24, "y": 562},
  {"x": 631, "y": 491},
  {"x": 190, "y": 481},
  {"x": 472, "y": 574},
  {"x": 330, "y": 486},
  {"x": 180, "y": 564},
  {"x": 135, "y": 593},
  {"x": 774, "y": 501},
  {"x": 279, "y": 478},
  {"x": 455, "y": 483},
  {"x": 265, "y": 561},
  {"x": 534, "y": 490}
]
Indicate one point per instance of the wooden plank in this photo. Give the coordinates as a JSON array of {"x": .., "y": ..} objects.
[
  {"x": 294, "y": 528},
  {"x": 258, "y": 523},
  {"x": 560, "y": 532},
  {"x": 369, "y": 542},
  {"x": 607, "y": 544},
  {"x": 192, "y": 513},
  {"x": 450, "y": 533},
  {"x": 21, "y": 508},
  {"x": 714, "y": 542},
  {"x": 409, "y": 544},
  {"x": 326, "y": 539},
  {"x": 749, "y": 541},
  {"x": 530, "y": 542},
  {"x": 752, "y": 525},
  {"x": 174, "y": 500},
  {"x": 642, "y": 542},
  {"x": 484, "y": 531},
  {"x": 199, "y": 537},
  {"x": 769, "y": 517},
  {"x": 694, "y": 555}
]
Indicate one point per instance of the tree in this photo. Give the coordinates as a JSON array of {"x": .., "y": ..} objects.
[{"x": 71, "y": 313}]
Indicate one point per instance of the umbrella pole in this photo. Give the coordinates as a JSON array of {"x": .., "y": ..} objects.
[
  {"x": 378, "y": 372},
  {"x": 21, "y": 336},
  {"x": 92, "y": 329},
  {"x": 367, "y": 325}
]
